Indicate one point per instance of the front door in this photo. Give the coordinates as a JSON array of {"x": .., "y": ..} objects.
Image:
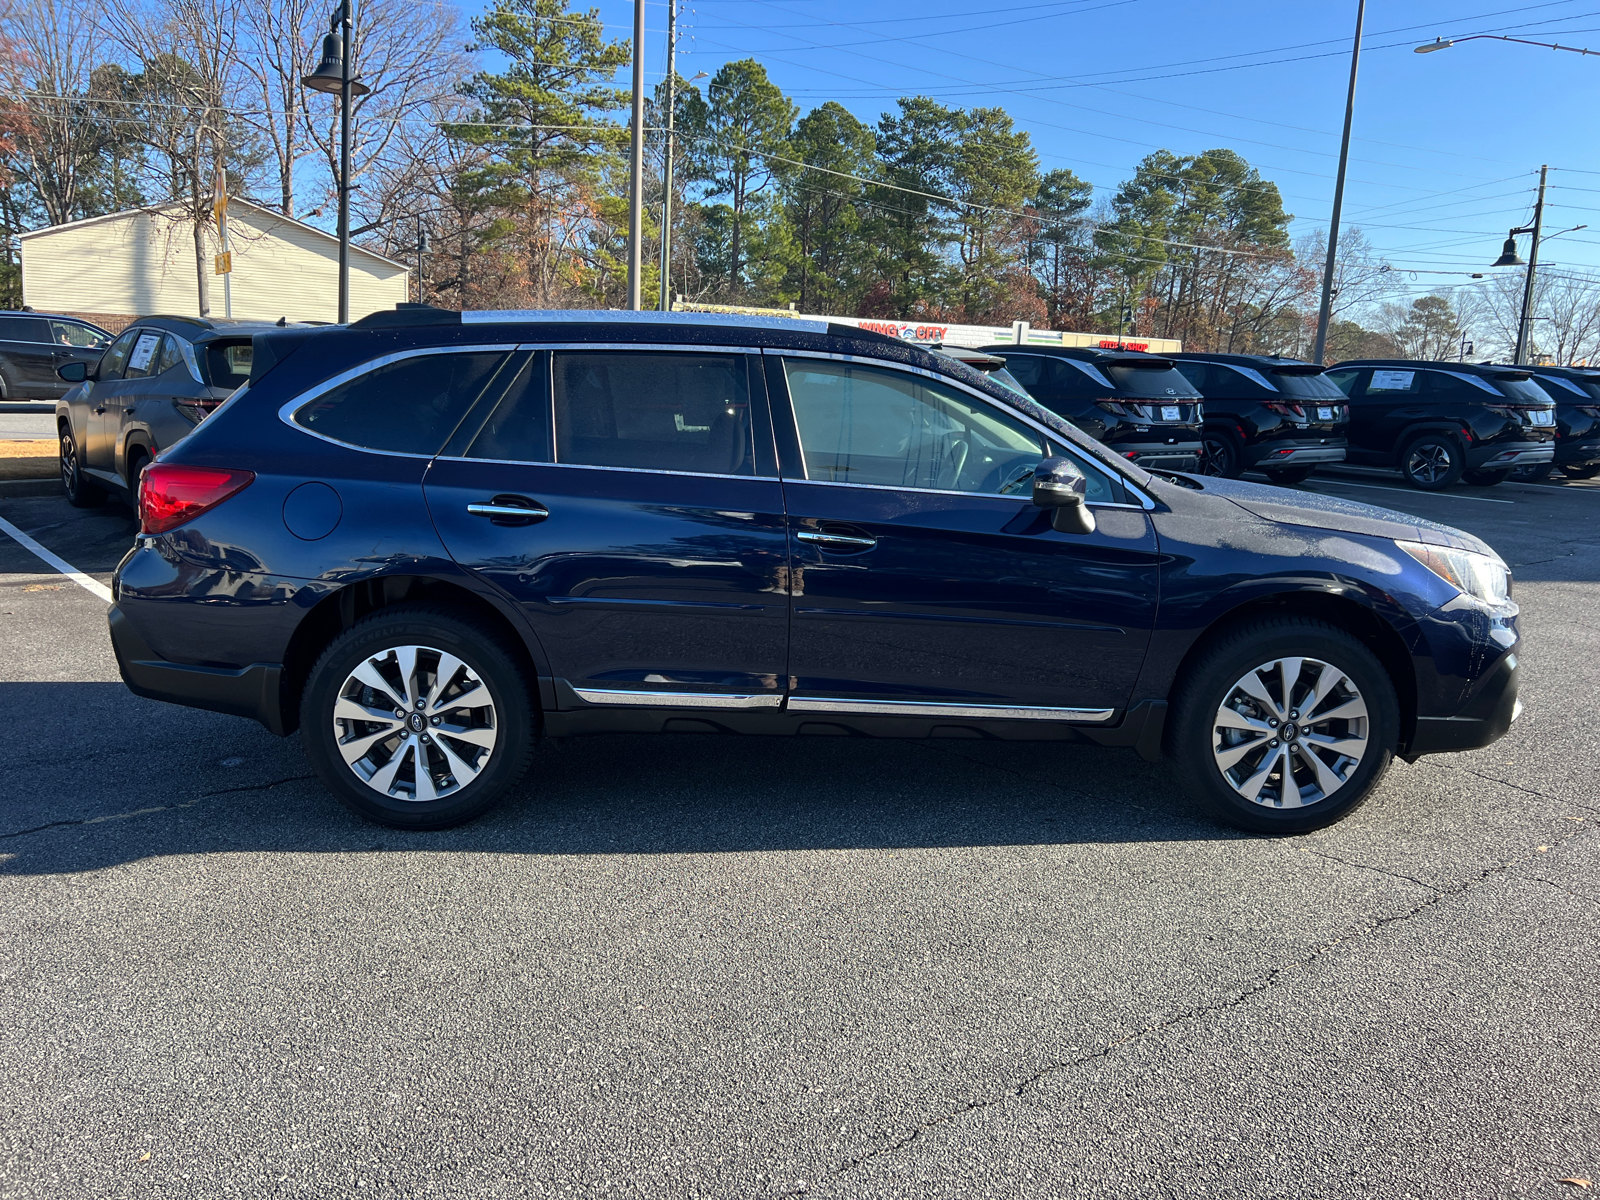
[
  {"x": 104, "y": 399},
  {"x": 925, "y": 580},
  {"x": 618, "y": 496}
]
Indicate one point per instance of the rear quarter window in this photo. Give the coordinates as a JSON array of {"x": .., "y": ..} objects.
[{"x": 406, "y": 407}]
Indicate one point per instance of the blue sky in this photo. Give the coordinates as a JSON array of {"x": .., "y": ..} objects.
[{"x": 1447, "y": 145}]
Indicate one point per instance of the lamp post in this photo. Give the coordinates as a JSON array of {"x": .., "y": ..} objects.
[
  {"x": 1325, "y": 309},
  {"x": 333, "y": 77},
  {"x": 1510, "y": 258},
  {"x": 1446, "y": 43},
  {"x": 636, "y": 171}
]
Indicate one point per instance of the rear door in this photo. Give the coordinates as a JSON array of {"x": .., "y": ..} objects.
[
  {"x": 924, "y": 580},
  {"x": 627, "y": 500},
  {"x": 29, "y": 360}
]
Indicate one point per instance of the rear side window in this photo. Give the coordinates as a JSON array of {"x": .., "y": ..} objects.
[
  {"x": 1387, "y": 381},
  {"x": 228, "y": 363},
  {"x": 1345, "y": 381},
  {"x": 24, "y": 329},
  {"x": 661, "y": 412},
  {"x": 171, "y": 356},
  {"x": 1196, "y": 373},
  {"x": 145, "y": 358},
  {"x": 406, "y": 407},
  {"x": 1026, "y": 369}
]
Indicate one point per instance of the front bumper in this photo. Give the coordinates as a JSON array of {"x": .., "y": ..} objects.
[
  {"x": 252, "y": 691},
  {"x": 1494, "y": 706}
]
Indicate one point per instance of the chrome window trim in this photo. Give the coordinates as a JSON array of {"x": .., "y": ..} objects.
[
  {"x": 921, "y": 708},
  {"x": 889, "y": 487},
  {"x": 287, "y": 410},
  {"x": 643, "y": 699},
  {"x": 519, "y": 462},
  {"x": 646, "y": 347},
  {"x": 570, "y": 316},
  {"x": 1146, "y": 503}
]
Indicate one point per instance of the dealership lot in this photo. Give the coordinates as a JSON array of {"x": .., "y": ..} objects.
[{"x": 682, "y": 966}]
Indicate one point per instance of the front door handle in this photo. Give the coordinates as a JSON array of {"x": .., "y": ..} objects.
[
  {"x": 510, "y": 510},
  {"x": 837, "y": 541},
  {"x": 101, "y": 411}
]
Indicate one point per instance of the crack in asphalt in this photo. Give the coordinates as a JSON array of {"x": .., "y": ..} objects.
[
  {"x": 1199, "y": 1012},
  {"x": 1369, "y": 867},
  {"x": 1567, "y": 890},
  {"x": 140, "y": 812}
]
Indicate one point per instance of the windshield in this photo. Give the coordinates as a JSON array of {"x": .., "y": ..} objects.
[
  {"x": 1157, "y": 384},
  {"x": 1306, "y": 387}
]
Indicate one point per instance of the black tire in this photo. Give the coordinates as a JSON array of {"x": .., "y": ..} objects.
[
  {"x": 1194, "y": 736},
  {"x": 1432, "y": 462},
  {"x": 1584, "y": 471},
  {"x": 509, "y": 711},
  {"x": 1485, "y": 478},
  {"x": 81, "y": 492},
  {"x": 1537, "y": 473},
  {"x": 1288, "y": 476},
  {"x": 138, "y": 459},
  {"x": 1219, "y": 454}
]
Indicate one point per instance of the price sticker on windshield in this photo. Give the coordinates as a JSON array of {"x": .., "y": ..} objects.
[
  {"x": 1169, "y": 412},
  {"x": 1324, "y": 413}
]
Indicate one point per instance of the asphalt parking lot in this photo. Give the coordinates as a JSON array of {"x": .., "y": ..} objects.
[{"x": 722, "y": 967}]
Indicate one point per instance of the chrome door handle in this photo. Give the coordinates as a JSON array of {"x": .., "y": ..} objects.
[
  {"x": 505, "y": 512},
  {"x": 837, "y": 539},
  {"x": 100, "y": 412}
]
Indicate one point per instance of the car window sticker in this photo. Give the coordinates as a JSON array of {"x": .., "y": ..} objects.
[
  {"x": 1392, "y": 381},
  {"x": 143, "y": 351}
]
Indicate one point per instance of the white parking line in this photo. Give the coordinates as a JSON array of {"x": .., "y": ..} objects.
[
  {"x": 60, "y": 564},
  {"x": 1378, "y": 487}
]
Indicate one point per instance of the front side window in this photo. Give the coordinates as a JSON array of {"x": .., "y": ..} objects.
[
  {"x": 114, "y": 359},
  {"x": 870, "y": 425},
  {"x": 407, "y": 407},
  {"x": 70, "y": 333},
  {"x": 659, "y": 411}
]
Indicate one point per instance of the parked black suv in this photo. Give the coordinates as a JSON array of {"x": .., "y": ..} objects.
[
  {"x": 1264, "y": 413},
  {"x": 1439, "y": 422},
  {"x": 1576, "y": 394},
  {"x": 154, "y": 384},
  {"x": 430, "y": 538},
  {"x": 1137, "y": 404},
  {"x": 34, "y": 344}
]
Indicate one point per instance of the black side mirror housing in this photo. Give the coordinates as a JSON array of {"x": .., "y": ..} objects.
[
  {"x": 73, "y": 372},
  {"x": 1059, "y": 486}
]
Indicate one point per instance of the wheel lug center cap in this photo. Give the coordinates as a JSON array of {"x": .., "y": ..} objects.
[
  {"x": 1289, "y": 733},
  {"x": 417, "y": 722}
]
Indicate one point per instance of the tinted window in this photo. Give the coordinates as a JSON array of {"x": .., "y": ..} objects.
[
  {"x": 24, "y": 329},
  {"x": 519, "y": 428},
  {"x": 410, "y": 406},
  {"x": 1343, "y": 380},
  {"x": 1026, "y": 369},
  {"x": 869, "y": 425},
  {"x": 663, "y": 412},
  {"x": 1306, "y": 387},
  {"x": 1146, "y": 381},
  {"x": 228, "y": 363},
  {"x": 1453, "y": 387},
  {"x": 70, "y": 333},
  {"x": 1195, "y": 373},
  {"x": 112, "y": 360},
  {"x": 1523, "y": 391},
  {"x": 145, "y": 358},
  {"x": 171, "y": 355},
  {"x": 1570, "y": 391}
]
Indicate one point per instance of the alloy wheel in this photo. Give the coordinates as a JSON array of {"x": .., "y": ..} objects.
[
  {"x": 1429, "y": 462},
  {"x": 1290, "y": 733},
  {"x": 1214, "y": 456},
  {"x": 415, "y": 723}
]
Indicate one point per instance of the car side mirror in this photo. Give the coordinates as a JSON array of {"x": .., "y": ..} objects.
[
  {"x": 1059, "y": 486},
  {"x": 73, "y": 372}
]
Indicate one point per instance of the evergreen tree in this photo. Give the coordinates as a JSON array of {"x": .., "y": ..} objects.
[{"x": 823, "y": 208}]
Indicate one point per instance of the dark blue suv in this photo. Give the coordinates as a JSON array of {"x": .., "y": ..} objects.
[{"x": 429, "y": 539}]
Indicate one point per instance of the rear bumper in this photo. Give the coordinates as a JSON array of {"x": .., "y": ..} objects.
[
  {"x": 1286, "y": 456},
  {"x": 1577, "y": 454},
  {"x": 1485, "y": 719},
  {"x": 1501, "y": 457},
  {"x": 1170, "y": 456},
  {"x": 251, "y": 691}
]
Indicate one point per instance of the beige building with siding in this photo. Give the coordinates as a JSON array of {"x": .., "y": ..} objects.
[{"x": 114, "y": 269}]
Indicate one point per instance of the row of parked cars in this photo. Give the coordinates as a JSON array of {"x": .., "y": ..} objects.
[{"x": 1223, "y": 414}]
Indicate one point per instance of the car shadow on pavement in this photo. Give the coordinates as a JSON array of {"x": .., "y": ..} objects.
[{"x": 130, "y": 779}]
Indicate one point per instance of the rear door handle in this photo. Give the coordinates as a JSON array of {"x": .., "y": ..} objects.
[
  {"x": 510, "y": 510},
  {"x": 837, "y": 541}
]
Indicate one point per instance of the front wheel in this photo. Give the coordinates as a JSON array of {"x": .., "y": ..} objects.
[
  {"x": 1286, "y": 476},
  {"x": 1431, "y": 462},
  {"x": 81, "y": 493},
  {"x": 1285, "y": 725},
  {"x": 1485, "y": 478},
  {"x": 417, "y": 718}
]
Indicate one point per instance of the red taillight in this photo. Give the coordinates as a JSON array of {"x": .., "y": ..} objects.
[
  {"x": 1285, "y": 410},
  {"x": 170, "y": 494}
]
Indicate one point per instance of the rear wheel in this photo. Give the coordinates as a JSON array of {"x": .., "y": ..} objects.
[
  {"x": 1537, "y": 473},
  {"x": 417, "y": 718},
  {"x": 1285, "y": 476},
  {"x": 1285, "y": 725},
  {"x": 1485, "y": 478},
  {"x": 1431, "y": 462},
  {"x": 1585, "y": 471},
  {"x": 138, "y": 459},
  {"x": 81, "y": 493},
  {"x": 1219, "y": 454}
]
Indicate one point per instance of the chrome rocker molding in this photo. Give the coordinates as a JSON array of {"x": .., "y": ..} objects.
[
  {"x": 678, "y": 699},
  {"x": 921, "y": 708}
]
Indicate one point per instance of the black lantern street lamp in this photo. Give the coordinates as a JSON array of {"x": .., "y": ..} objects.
[
  {"x": 1510, "y": 258},
  {"x": 333, "y": 77}
]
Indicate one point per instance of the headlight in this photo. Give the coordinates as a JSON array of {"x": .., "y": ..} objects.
[{"x": 1481, "y": 576}]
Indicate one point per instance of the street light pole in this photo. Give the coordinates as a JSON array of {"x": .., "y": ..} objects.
[
  {"x": 334, "y": 77},
  {"x": 1326, "y": 308},
  {"x": 1533, "y": 265},
  {"x": 636, "y": 174},
  {"x": 666, "y": 175}
]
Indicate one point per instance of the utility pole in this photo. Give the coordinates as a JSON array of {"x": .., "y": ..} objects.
[
  {"x": 666, "y": 201},
  {"x": 1326, "y": 309},
  {"x": 422, "y": 250},
  {"x": 636, "y": 174},
  {"x": 1533, "y": 265}
]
